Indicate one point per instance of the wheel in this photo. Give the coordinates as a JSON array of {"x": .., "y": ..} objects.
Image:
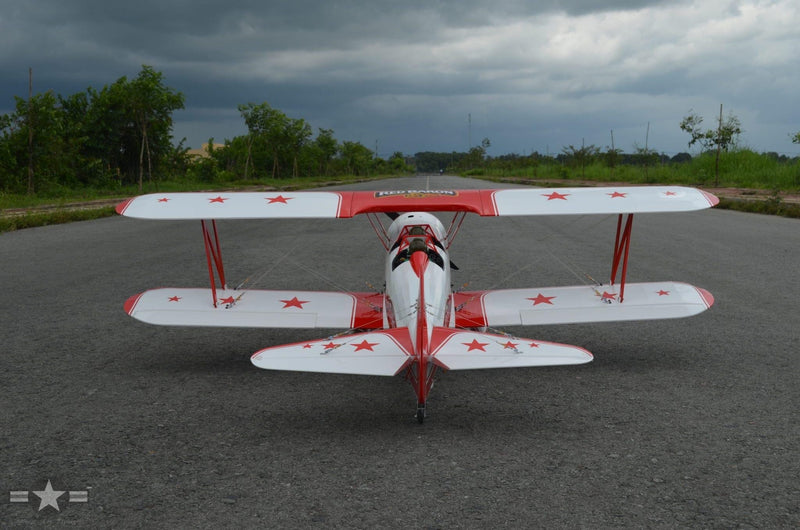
[{"x": 420, "y": 413}]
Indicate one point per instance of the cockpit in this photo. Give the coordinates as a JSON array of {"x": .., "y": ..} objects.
[{"x": 417, "y": 238}]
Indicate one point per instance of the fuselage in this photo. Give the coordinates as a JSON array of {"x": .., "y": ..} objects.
[{"x": 418, "y": 293}]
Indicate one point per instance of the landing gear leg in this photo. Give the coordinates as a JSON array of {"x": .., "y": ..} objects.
[{"x": 421, "y": 412}]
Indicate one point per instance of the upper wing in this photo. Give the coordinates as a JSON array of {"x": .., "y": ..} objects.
[
  {"x": 604, "y": 200},
  {"x": 333, "y": 204},
  {"x": 258, "y": 309},
  {"x": 565, "y": 305},
  {"x": 233, "y": 205}
]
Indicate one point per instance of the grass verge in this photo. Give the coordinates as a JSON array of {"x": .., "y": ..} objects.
[
  {"x": 30, "y": 220},
  {"x": 771, "y": 206}
]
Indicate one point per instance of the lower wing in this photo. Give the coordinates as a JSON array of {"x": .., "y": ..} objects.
[
  {"x": 257, "y": 308},
  {"x": 565, "y": 305}
]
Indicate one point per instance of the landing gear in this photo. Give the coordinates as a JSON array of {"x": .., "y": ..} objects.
[{"x": 421, "y": 413}]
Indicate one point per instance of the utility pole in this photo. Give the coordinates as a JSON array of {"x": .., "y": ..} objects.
[
  {"x": 612, "y": 154},
  {"x": 469, "y": 131},
  {"x": 30, "y": 131},
  {"x": 646, "y": 150},
  {"x": 719, "y": 145}
]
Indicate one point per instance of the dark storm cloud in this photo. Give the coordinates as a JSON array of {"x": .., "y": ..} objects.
[{"x": 409, "y": 73}]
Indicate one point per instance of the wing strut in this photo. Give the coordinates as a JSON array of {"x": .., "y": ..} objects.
[
  {"x": 455, "y": 224},
  {"x": 622, "y": 246},
  {"x": 381, "y": 233},
  {"x": 213, "y": 256}
]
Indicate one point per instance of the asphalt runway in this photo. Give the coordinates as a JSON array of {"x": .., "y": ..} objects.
[{"x": 678, "y": 423}]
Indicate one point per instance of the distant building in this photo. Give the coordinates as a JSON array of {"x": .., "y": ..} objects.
[{"x": 203, "y": 151}]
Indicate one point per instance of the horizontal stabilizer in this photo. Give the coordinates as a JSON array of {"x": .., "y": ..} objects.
[
  {"x": 567, "y": 305},
  {"x": 384, "y": 352},
  {"x": 468, "y": 350},
  {"x": 257, "y": 308}
]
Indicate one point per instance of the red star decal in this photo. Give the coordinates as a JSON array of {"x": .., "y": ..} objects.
[
  {"x": 662, "y": 292},
  {"x": 364, "y": 345},
  {"x": 608, "y": 296},
  {"x": 555, "y": 195},
  {"x": 669, "y": 193},
  {"x": 616, "y": 194},
  {"x": 280, "y": 198},
  {"x": 220, "y": 199},
  {"x": 509, "y": 344},
  {"x": 533, "y": 345},
  {"x": 174, "y": 298},
  {"x": 541, "y": 299},
  {"x": 294, "y": 302},
  {"x": 307, "y": 346},
  {"x": 330, "y": 345},
  {"x": 163, "y": 199},
  {"x": 475, "y": 345},
  {"x": 228, "y": 300}
]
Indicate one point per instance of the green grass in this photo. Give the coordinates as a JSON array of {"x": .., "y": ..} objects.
[
  {"x": 61, "y": 195},
  {"x": 61, "y": 198},
  {"x": 8, "y": 224},
  {"x": 771, "y": 206},
  {"x": 737, "y": 169}
]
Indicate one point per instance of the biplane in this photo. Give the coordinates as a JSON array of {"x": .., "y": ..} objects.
[{"x": 418, "y": 325}]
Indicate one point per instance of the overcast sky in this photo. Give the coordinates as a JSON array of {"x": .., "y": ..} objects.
[{"x": 407, "y": 75}]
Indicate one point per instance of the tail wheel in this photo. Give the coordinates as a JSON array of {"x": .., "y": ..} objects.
[{"x": 421, "y": 413}]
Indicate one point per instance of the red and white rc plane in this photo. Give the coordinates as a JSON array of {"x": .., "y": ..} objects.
[{"x": 418, "y": 325}]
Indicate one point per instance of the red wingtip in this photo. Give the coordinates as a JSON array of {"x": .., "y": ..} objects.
[
  {"x": 708, "y": 298},
  {"x": 131, "y": 302},
  {"x": 121, "y": 207},
  {"x": 712, "y": 199}
]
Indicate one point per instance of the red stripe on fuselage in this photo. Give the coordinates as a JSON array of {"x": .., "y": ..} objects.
[
  {"x": 469, "y": 309},
  {"x": 480, "y": 202},
  {"x": 368, "y": 311}
]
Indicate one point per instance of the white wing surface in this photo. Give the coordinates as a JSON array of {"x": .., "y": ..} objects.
[
  {"x": 565, "y": 305},
  {"x": 601, "y": 200},
  {"x": 469, "y": 350},
  {"x": 233, "y": 205},
  {"x": 257, "y": 308},
  {"x": 384, "y": 352}
]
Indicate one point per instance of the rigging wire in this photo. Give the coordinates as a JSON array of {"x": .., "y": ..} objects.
[{"x": 572, "y": 267}]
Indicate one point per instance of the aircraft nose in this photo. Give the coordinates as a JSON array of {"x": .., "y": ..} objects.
[{"x": 419, "y": 260}]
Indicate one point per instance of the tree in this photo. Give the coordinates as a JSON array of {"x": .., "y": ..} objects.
[
  {"x": 130, "y": 120},
  {"x": 33, "y": 151},
  {"x": 297, "y": 134},
  {"x": 151, "y": 106},
  {"x": 796, "y": 138},
  {"x": 266, "y": 130},
  {"x": 612, "y": 157},
  {"x": 326, "y": 146},
  {"x": 356, "y": 157},
  {"x": 722, "y": 137},
  {"x": 582, "y": 156}
]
